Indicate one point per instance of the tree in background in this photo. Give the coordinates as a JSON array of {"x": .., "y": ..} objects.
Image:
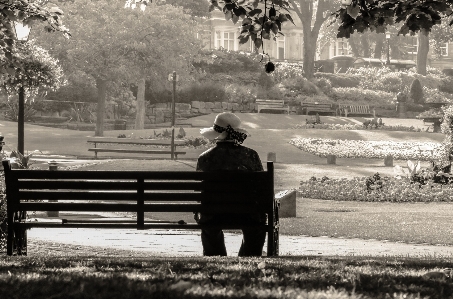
[
  {"x": 114, "y": 44},
  {"x": 39, "y": 73},
  {"x": 412, "y": 16},
  {"x": 29, "y": 13}
]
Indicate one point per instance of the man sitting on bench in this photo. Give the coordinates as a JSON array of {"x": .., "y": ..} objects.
[{"x": 229, "y": 155}]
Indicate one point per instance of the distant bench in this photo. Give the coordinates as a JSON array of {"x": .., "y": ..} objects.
[
  {"x": 271, "y": 105},
  {"x": 346, "y": 109},
  {"x": 138, "y": 192},
  {"x": 132, "y": 142},
  {"x": 317, "y": 107}
]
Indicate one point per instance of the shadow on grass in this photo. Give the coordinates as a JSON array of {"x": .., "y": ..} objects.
[{"x": 283, "y": 277}]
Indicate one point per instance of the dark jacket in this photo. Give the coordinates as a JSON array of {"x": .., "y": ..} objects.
[{"x": 226, "y": 156}]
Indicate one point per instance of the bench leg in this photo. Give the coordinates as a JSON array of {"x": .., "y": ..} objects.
[
  {"x": 10, "y": 234},
  {"x": 20, "y": 241}
]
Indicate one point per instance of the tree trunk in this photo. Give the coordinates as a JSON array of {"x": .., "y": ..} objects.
[
  {"x": 379, "y": 47},
  {"x": 101, "y": 86},
  {"x": 354, "y": 48},
  {"x": 365, "y": 45},
  {"x": 422, "y": 53},
  {"x": 140, "y": 107},
  {"x": 309, "y": 55}
]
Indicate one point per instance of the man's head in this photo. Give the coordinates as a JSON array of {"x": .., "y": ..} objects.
[{"x": 226, "y": 127}]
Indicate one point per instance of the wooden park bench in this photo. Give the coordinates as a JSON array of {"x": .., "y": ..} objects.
[
  {"x": 346, "y": 109},
  {"x": 317, "y": 107},
  {"x": 271, "y": 105},
  {"x": 136, "y": 192},
  {"x": 128, "y": 146}
]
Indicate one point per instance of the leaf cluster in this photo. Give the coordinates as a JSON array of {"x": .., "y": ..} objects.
[
  {"x": 257, "y": 23},
  {"x": 28, "y": 13},
  {"x": 377, "y": 15}
]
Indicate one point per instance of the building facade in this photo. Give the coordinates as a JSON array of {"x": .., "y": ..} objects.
[{"x": 220, "y": 33}]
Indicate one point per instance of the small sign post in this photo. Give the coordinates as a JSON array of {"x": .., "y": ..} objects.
[{"x": 173, "y": 77}]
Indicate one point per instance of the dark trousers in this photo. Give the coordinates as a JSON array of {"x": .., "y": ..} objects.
[{"x": 214, "y": 243}]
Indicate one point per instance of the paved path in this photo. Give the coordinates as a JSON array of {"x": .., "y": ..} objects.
[{"x": 168, "y": 243}]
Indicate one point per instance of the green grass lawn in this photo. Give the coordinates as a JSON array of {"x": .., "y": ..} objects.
[
  {"x": 400, "y": 222},
  {"x": 288, "y": 277}
]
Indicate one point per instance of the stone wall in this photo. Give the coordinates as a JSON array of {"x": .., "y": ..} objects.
[{"x": 161, "y": 112}]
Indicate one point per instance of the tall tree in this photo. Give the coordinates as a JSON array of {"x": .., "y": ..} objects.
[
  {"x": 312, "y": 14},
  {"x": 413, "y": 16},
  {"x": 28, "y": 13},
  {"x": 114, "y": 44}
]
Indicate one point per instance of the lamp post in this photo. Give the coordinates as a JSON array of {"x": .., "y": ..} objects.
[
  {"x": 387, "y": 36},
  {"x": 21, "y": 32}
]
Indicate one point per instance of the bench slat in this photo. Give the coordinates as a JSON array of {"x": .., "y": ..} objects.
[
  {"x": 133, "y": 151},
  {"x": 134, "y": 196},
  {"x": 228, "y": 186},
  {"x": 108, "y": 185},
  {"x": 135, "y": 141},
  {"x": 25, "y": 174},
  {"x": 192, "y": 226},
  {"x": 154, "y": 207}
]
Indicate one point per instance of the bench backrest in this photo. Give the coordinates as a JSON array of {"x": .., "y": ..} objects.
[
  {"x": 355, "y": 108},
  {"x": 278, "y": 103},
  {"x": 139, "y": 191},
  {"x": 323, "y": 105}
]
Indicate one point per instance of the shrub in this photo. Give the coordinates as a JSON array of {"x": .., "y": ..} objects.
[
  {"x": 300, "y": 85},
  {"x": 361, "y": 96},
  {"x": 203, "y": 92},
  {"x": 3, "y": 227},
  {"x": 388, "y": 190},
  {"x": 446, "y": 85},
  {"x": 436, "y": 96},
  {"x": 416, "y": 92},
  {"x": 415, "y": 107},
  {"x": 286, "y": 70},
  {"x": 324, "y": 84},
  {"x": 340, "y": 80},
  {"x": 240, "y": 93}
]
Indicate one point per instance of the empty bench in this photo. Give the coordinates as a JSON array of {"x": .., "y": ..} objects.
[
  {"x": 136, "y": 192},
  {"x": 355, "y": 109},
  {"x": 271, "y": 105},
  {"x": 128, "y": 146},
  {"x": 317, "y": 107}
]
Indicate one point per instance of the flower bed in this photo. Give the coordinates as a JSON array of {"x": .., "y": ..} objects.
[
  {"x": 356, "y": 127},
  {"x": 423, "y": 151},
  {"x": 392, "y": 190}
]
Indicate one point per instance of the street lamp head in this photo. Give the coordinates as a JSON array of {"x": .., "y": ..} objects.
[
  {"x": 21, "y": 31},
  {"x": 346, "y": 2}
]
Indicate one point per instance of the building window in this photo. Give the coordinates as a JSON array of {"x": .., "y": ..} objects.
[
  {"x": 226, "y": 40},
  {"x": 444, "y": 49},
  {"x": 412, "y": 47},
  {"x": 281, "y": 48},
  {"x": 340, "y": 47}
]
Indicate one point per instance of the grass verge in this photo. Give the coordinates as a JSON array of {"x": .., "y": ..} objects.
[{"x": 283, "y": 277}]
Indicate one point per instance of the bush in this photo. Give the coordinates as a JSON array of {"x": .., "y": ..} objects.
[
  {"x": 287, "y": 70},
  {"x": 436, "y": 96},
  {"x": 203, "y": 92},
  {"x": 324, "y": 84},
  {"x": 362, "y": 97},
  {"x": 300, "y": 85},
  {"x": 3, "y": 227},
  {"x": 415, "y": 107},
  {"x": 416, "y": 92},
  {"x": 390, "y": 190},
  {"x": 240, "y": 93},
  {"x": 341, "y": 80},
  {"x": 446, "y": 85}
]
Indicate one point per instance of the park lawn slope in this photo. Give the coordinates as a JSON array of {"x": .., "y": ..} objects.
[{"x": 284, "y": 277}]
